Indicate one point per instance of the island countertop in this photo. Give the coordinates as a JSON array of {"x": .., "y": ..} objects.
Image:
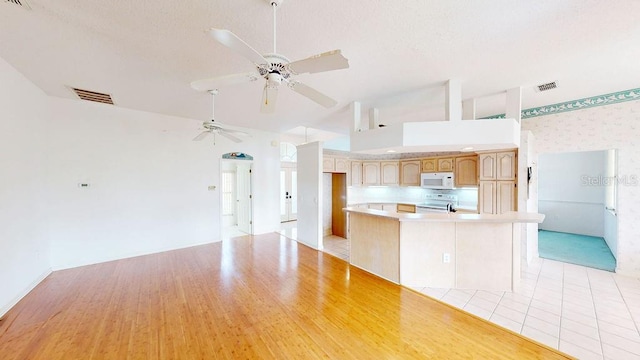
[{"x": 510, "y": 217}]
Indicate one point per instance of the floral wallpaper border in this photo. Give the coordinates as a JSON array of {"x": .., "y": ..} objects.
[{"x": 606, "y": 99}]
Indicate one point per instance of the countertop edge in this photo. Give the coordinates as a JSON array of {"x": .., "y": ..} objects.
[{"x": 510, "y": 217}]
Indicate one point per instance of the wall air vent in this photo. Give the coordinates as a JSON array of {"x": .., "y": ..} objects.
[
  {"x": 22, "y": 3},
  {"x": 547, "y": 86},
  {"x": 93, "y": 96}
]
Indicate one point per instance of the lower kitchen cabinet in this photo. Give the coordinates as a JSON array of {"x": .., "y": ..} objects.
[
  {"x": 497, "y": 197},
  {"x": 487, "y": 197},
  {"x": 505, "y": 196}
]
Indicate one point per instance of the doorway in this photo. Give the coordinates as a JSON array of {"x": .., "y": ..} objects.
[
  {"x": 236, "y": 198},
  {"x": 577, "y": 193},
  {"x": 288, "y": 191}
]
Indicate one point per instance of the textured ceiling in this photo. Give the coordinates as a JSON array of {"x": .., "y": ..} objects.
[{"x": 145, "y": 53}]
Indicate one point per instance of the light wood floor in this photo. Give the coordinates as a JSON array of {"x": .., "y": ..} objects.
[{"x": 248, "y": 298}]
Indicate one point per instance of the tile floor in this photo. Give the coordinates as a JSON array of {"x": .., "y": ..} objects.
[
  {"x": 337, "y": 246},
  {"x": 584, "y": 312}
]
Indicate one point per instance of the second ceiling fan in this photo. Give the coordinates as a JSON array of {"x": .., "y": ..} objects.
[{"x": 274, "y": 68}]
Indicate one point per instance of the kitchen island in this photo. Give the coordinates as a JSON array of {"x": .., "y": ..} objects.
[{"x": 442, "y": 250}]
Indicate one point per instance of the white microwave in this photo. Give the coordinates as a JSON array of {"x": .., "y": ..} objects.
[{"x": 440, "y": 180}]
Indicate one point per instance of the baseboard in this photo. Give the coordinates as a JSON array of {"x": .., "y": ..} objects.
[{"x": 5, "y": 309}]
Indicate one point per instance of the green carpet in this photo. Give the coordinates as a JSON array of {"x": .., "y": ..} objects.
[{"x": 576, "y": 249}]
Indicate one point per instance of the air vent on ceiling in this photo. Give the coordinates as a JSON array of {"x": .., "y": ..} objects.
[
  {"x": 547, "y": 86},
  {"x": 93, "y": 96},
  {"x": 22, "y": 3}
]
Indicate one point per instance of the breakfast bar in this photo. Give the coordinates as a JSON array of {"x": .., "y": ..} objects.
[{"x": 442, "y": 250}]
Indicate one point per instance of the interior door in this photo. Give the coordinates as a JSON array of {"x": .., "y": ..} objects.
[
  {"x": 288, "y": 192},
  {"x": 244, "y": 198}
]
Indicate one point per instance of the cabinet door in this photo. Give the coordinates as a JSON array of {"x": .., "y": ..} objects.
[
  {"x": 506, "y": 165},
  {"x": 370, "y": 173},
  {"x": 429, "y": 165},
  {"x": 410, "y": 173},
  {"x": 390, "y": 207},
  {"x": 328, "y": 164},
  {"x": 466, "y": 171},
  {"x": 487, "y": 197},
  {"x": 445, "y": 164},
  {"x": 389, "y": 173},
  {"x": 505, "y": 196},
  {"x": 355, "y": 175},
  {"x": 487, "y": 167},
  {"x": 341, "y": 165}
]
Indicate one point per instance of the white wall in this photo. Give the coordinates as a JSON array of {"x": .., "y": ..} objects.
[
  {"x": 327, "y": 203},
  {"x": 310, "y": 194},
  {"x": 569, "y": 201},
  {"x": 528, "y": 195},
  {"x": 601, "y": 128},
  {"x": 148, "y": 183},
  {"x": 23, "y": 224},
  {"x": 611, "y": 231}
]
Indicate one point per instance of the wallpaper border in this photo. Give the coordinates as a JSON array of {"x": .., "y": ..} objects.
[{"x": 599, "y": 100}]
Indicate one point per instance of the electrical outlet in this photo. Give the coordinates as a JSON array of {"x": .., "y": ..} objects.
[
  {"x": 211, "y": 188},
  {"x": 446, "y": 258}
]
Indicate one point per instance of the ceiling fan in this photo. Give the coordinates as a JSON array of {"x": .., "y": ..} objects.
[
  {"x": 274, "y": 68},
  {"x": 213, "y": 128}
]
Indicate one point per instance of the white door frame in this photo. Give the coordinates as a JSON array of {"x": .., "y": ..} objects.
[{"x": 249, "y": 203}]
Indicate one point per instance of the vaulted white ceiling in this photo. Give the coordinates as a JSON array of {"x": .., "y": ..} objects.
[{"x": 146, "y": 52}]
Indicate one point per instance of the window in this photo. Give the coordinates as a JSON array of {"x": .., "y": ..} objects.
[
  {"x": 288, "y": 152},
  {"x": 228, "y": 192}
]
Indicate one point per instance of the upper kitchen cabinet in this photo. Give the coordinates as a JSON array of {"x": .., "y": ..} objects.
[
  {"x": 334, "y": 164},
  {"x": 355, "y": 174},
  {"x": 370, "y": 173},
  {"x": 498, "y": 166},
  {"x": 342, "y": 165},
  {"x": 410, "y": 173},
  {"x": 466, "y": 171},
  {"x": 429, "y": 165},
  {"x": 389, "y": 173},
  {"x": 438, "y": 164},
  {"x": 328, "y": 164},
  {"x": 506, "y": 162},
  {"x": 445, "y": 164},
  {"x": 487, "y": 166}
]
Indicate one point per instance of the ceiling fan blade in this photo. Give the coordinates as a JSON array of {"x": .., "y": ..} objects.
[
  {"x": 222, "y": 81},
  {"x": 269, "y": 97},
  {"x": 202, "y": 135},
  {"x": 312, "y": 94},
  {"x": 230, "y": 40},
  {"x": 332, "y": 60},
  {"x": 229, "y": 136}
]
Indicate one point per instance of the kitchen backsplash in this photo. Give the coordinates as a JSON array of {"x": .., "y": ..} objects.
[{"x": 411, "y": 194}]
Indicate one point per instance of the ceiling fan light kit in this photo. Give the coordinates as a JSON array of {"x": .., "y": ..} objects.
[{"x": 274, "y": 68}]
